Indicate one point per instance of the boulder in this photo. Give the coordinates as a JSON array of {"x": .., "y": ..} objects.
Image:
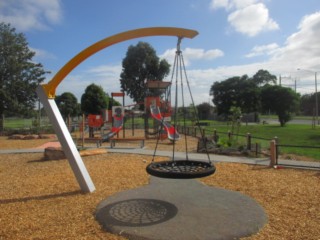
[
  {"x": 31, "y": 137},
  {"x": 16, "y": 136},
  {"x": 54, "y": 153}
]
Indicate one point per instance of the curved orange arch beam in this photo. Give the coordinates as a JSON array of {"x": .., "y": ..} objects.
[{"x": 50, "y": 87}]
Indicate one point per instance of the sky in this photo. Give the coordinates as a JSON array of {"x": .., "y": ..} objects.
[{"x": 236, "y": 37}]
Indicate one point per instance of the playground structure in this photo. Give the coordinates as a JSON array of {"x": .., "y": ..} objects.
[
  {"x": 117, "y": 123},
  {"x": 239, "y": 209},
  {"x": 98, "y": 122},
  {"x": 117, "y": 118},
  {"x": 171, "y": 131},
  {"x": 159, "y": 108},
  {"x": 47, "y": 92},
  {"x": 113, "y": 117},
  {"x": 114, "y": 121}
]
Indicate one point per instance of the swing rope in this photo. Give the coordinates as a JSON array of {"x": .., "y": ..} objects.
[
  {"x": 180, "y": 169},
  {"x": 162, "y": 120},
  {"x": 194, "y": 108},
  {"x": 180, "y": 63}
]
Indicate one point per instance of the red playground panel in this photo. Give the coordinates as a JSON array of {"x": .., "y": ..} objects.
[{"x": 95, "y": 120}]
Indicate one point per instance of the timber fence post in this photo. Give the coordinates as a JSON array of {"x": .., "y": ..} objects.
[
  {"x": 248, "y": 141},
  {"x": 273, "y": 153}
]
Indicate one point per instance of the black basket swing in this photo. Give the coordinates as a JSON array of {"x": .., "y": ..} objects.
[{"x": 184, "y": 167}]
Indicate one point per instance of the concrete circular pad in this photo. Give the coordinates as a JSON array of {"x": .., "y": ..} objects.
[{"x": 180, "y": 209}]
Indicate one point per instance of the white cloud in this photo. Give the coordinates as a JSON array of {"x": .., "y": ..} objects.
[
  {"x": 106, "y": 71},
  {"x": 42, "y": 54},
  {"x": 190, "y": 54},
  {"x": 249, "y": 17},
  {"x": 197, "y": 53},
  {"x": 214, "y": 4},
  {"x": 31, "y": 14},
  {"x": 106, "y": 76},
  {"x": 243, "y": 3},
  {"x": 263, "y": 50},
  {"x": 301, "y": 50},
  {"x": 231, "y": 4},
  {"x": 252, "y": 20}
]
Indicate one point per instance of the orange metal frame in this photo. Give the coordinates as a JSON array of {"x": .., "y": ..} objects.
[{"x": 50, "y": 87}]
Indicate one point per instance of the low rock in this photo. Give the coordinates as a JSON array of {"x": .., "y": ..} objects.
[
  {"x": 31, "y": 137},
  {"x": 54, "y": 153},
  {"x": 16, "y": 136}
]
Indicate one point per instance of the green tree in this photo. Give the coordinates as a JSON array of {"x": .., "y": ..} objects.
[
  {"x": 67, "y": 104},
  {"x": 280, "y": 100},
  {"x": 19, "y": 74},
  {"x": 307, "y": 104},
  {"x": 239, "y": 92},
  {"x": 93, "y": 101},
  {"x": 263, "y": 77},
  {"x": 141, "y": 64},
  {"x": 204, "y": 110},
  {"x": 112, "y": 102},
  {"x": 235, "y": 118}
]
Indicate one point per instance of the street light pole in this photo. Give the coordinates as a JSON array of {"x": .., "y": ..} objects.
[
  {"x": 316, "y": 93},
  {"x": 316, "y": 86}
]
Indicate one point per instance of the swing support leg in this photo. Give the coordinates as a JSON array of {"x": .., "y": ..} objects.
[{"x": 66, "y": 141}]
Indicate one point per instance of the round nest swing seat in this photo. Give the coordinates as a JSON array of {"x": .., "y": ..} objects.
[{"x": 181, "y": 169}]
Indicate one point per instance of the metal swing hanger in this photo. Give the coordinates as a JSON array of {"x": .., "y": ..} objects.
[{"x": 184, "y": 168}]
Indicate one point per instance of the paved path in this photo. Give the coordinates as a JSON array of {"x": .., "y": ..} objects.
[
  {"x": 193, "y": 156},
  {"x": 221, "y": 158}
]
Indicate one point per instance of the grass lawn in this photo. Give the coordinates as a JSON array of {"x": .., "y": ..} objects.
[
  {"x": 17, "y": 123},
  {"x": 291, "y": 134}
]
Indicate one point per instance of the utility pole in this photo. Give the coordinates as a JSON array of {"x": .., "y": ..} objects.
[{"x": 316, "y": 89}]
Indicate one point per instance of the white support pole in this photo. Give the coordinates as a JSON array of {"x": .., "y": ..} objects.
[{"x": 68, "y": 146}]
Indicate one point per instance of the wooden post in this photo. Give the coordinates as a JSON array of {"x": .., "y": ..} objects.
[
  {"x": 69, "y": 123},
  {"x": 132, "y": 126},
  {"x": 248, "y": 141},
  {"x": 229, "y": 135},
  {"x": 83, "y": 129},
  {"x": 273, "y": 153},
  {"x": 124, "y": 115},
  {"x": 215, "y": 136}
]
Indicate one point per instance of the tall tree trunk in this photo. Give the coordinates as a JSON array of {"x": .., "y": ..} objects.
[{"x": 2, "y": 124}]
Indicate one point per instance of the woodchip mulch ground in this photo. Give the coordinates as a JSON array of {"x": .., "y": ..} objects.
[{"x": 41, "y": 199}]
